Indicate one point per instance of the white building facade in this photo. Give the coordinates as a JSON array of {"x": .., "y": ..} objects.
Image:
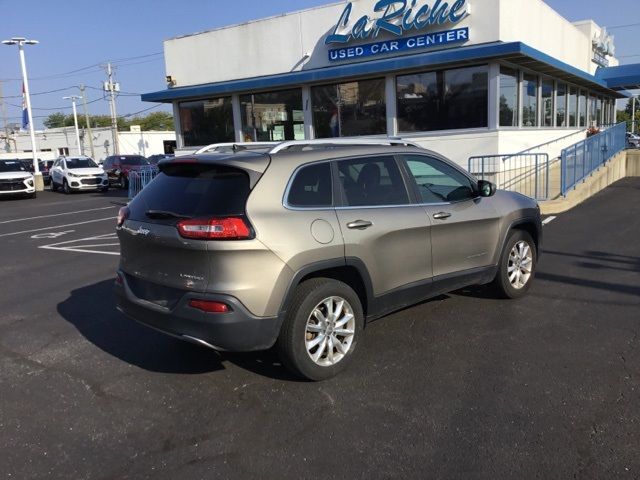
[
  {"x": 54, "y": 142},
  {"x": 462, "y": 78}
]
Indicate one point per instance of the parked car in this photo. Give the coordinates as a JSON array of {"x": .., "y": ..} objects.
[
  {"x": 15, "y": 179},
  {"x": 244, "y": 250},
  {"x": 117, "y": 168},
  {"x": 45, "y": 167},
  {"x": 77, "y": 174},
  {"x": 154, "y": 159},
  {"x": 633, "y": 140}
]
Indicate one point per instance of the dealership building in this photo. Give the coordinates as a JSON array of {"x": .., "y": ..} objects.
[{"x": 463, "y": 78}]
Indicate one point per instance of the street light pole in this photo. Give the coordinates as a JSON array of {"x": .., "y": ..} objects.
[
  {"x": 73, "y": 99},
  {"x": 21, "y": 42}
]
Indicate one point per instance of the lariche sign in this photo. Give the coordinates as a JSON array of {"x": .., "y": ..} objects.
[{"x": 397, "y": 18}]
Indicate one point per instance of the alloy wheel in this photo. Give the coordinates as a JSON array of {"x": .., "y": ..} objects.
[
  {"x": 330, "y": 331},
  {"x": 520, "y": 266}
]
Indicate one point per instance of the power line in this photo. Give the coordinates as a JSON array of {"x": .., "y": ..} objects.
[
  {"x": 54, "y": 108},
  {"x": 42, "y": 93},
  {"x": 624, "y": 26},
  {"x": 141, "y": 111},
  {"x": 96, "y": 67}
]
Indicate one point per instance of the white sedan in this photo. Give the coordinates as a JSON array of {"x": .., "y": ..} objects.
[
  {"x": 15, "y": 179},
  {"x": 77, "y": 173}
]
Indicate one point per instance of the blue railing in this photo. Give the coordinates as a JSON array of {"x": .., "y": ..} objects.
[
  {"x": 583, "y": 158},
  {"x": 525, "y": 173},
  {"x": 139, "y": 179}
]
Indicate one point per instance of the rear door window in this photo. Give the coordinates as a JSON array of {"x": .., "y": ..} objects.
[
  {"x": 311, "y": 187},
  {"x": 372, "y": 181},
  {"x": 192, "y": 191}
]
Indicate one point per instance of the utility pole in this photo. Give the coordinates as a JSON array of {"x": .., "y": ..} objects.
[
  {"x": 86, "y": 117},
  {"x": 633, "y": 114},
  {"x": 111, "y": 88},
  {"x": 73, "y": 99}
]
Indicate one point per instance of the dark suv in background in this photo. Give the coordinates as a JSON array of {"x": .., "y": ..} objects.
[
  {"x": 301, "y": 244},
  {"x": 117, "y": 168}
]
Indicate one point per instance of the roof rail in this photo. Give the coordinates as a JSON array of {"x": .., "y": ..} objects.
[
  {"x": 242, "y": 145},
  {"x": 341, "y": 142}
]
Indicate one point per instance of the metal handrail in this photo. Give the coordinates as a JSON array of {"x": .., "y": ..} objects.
[
  {"x": 550, "y": 142},
  {"x": 585, "y": 157}
]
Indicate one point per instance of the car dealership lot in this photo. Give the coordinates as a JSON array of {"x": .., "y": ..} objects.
[{"x": 464, "y": 386}]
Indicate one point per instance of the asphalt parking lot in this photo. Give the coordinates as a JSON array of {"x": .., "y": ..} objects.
[{"x": 463, "y": 386}]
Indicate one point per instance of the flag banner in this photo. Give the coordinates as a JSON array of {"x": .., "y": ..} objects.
[{"x": 25, "y": 113}]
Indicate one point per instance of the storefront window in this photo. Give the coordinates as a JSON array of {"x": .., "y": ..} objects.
[
  {"x": 561, "y": 105},
  {"x": 547, "y": 103},
  {"x": 204, "y": 122},
  {"x": 582, "y": 108},
  {"x": 443, "y": 100},
  {"x": 273, "y": 116},
  {"x": 349, "y": 109},
  {"x": 529, "y": 100},
  {"x": 508, "y": 97},
  {"x": 592, "y": 111},
  {"x": 573, "y": 107},
  {"x": 599, "y": 119}
]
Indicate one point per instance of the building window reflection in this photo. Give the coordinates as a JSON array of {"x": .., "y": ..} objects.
[
  {"x": 443, "y": 100},
  {"x": 350, "y": 109},
  {"x": 272, "y": 116},
  {"x": 203, "y": 122}
]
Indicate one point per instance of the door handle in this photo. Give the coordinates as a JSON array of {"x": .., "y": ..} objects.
[
  {"x": 359, "y": 225},
  {"x": 441, "y": 215}
]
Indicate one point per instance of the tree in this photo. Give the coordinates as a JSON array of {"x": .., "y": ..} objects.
[
  {"x": 153, "y": 121},
  {"x": 625, "y": 115},
  {"x": 55, "y": 120}
]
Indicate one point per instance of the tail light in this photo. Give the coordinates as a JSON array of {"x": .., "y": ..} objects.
[
  {"x": 123, "y": 214},
  {"x": 229, "y": 228},
  {"x": 209, "y": 306}
]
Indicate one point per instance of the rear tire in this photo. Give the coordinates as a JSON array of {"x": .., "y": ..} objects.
[
  {"x": 517, "y": 266},
  {"x": 325, "y": 321},
  {"x": 54, "y": 186}
]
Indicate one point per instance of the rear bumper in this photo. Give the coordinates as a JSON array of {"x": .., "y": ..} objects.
[{"x": 235, "y": 331}]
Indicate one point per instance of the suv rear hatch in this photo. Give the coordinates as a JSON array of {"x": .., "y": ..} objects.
[{"x": 168, "y": 230}]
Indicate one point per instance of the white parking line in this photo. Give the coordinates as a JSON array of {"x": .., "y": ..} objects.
[
  {"x": 57, "y": 226},
  {"x": 55, "y": 215},
  {"x": 548, "y": 220},
  {"x": 83, "y": 247}
]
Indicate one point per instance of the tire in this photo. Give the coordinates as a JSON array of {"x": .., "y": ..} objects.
[
  {"x": 54, "y": 186},
  {"x": 65, "y": 187},
  {"x": 104, "y": 189},
  {"x": 301, "y": 327},
  {"x": 505, "y": 284}
]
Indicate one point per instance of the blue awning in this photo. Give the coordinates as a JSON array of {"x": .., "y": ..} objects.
[
  {"x": 514, "y": 52},
  {"x": 623, "y": 77}
]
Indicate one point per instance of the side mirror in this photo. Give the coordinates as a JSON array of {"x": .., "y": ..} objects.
[{"x": 486, "y": 189}]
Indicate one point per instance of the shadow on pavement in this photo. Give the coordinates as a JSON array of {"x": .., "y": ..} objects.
[{"x": 92, "y": 310}]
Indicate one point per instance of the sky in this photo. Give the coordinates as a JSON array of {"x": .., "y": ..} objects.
[{"x": 78, "y": 37}]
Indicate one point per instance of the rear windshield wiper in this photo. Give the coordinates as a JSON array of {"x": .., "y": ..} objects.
[{"x": 158, "y": 214}]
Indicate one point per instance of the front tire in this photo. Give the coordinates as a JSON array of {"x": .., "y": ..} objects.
[
  {"x": 516, "y": 269},
  {"x": 322, "y": 329},
  {"x": 65, "y": 187}
]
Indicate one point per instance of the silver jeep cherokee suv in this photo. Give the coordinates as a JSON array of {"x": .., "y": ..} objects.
[{"x": 299, "y": 247}]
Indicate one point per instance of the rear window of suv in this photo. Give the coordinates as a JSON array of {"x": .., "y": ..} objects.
[{"x": 193, "y": 191}]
